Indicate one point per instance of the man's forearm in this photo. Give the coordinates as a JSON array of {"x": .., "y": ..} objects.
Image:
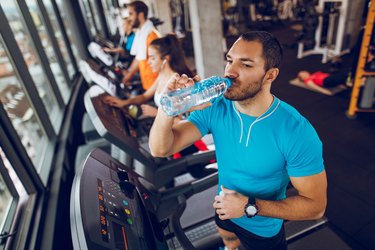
[
  {"x": 134, "y": 66},
  {"x": 292, "y": 208},
  {"x": 161, "y": 135}
]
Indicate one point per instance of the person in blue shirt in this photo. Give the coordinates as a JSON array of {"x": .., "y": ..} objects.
[
  {"x": 262, "y": 144},
  {"x": 125, "y": 44}
]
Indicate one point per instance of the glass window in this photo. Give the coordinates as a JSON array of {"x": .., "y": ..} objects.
[
  {"x": 59, "y": 37},
  {"x": 20, "y": 111},
  {"x": 32, "y": 60},
  {"x": 47, "y": 45},
  {"x": 5, "y": 201},
  {"x": 61, "y": 4},
  {"x": 89, "y": 18},
  {"x": 95, "y": 11},
  {"x": 6, "y": 197},
  {"x": 110, "y": 16}
]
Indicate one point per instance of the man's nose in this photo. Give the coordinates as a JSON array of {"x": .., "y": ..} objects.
[{"x": 231, "y": 71}]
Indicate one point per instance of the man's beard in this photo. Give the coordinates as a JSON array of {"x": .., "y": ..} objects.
[
  {"x": 136, "y": 23},
  {"x": 245, "y": 94}
]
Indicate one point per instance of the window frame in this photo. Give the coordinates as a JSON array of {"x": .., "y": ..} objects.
[
  {"x": 22, "y": 212},
  {"x": 21, "y": 70},
  {"x": 29, "y": 22},
  {"x": 54, "y": 42},
  {"x": 65, "y": 37}
]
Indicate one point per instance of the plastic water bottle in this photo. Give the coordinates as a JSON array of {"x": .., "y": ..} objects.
[{"x": 181, "y": 100}]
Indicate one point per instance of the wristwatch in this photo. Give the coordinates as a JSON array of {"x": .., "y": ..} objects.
[{"x": 251, "y": 209}]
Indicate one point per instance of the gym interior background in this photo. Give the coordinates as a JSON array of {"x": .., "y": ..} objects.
[{"x": 46, "y": 132}]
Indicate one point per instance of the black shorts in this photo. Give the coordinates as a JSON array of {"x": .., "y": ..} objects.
[{"x": 253, "y": 241}]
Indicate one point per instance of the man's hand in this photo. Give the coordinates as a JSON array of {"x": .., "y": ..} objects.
[
  {"x": 179, "y": 82},
  {"x": 126, "y": 77},
  {"x": 229, "y": 204}
]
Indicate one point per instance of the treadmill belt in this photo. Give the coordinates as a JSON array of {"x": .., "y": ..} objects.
[{"x": 323, "y": 239}]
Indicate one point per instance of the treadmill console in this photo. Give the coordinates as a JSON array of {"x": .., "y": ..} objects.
[
  {"x": 92, "y": 75},
  {"x": 110, "y": 209},
  {"x": 96, "y": 51},
  {"x": 118, "y": 126}
]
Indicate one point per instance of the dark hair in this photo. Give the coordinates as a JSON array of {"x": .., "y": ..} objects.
[
  {"x": 272, "y": 49},
  {"x": 170, "y": 46},
  {"x": 139, "y": 7}
]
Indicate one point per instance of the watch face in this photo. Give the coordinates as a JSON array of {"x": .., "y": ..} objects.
[{"x": 251, "y": 210}]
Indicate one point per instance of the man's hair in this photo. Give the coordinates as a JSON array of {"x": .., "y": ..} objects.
[
  {"x": 272, "y": 50},
  {"x": 139, "y": 7}
]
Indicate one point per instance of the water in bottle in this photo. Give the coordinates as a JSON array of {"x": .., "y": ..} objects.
[{"x": 181, "y": 100}]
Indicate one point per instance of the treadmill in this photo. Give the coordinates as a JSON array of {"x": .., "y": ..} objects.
[
  {"x": 113, "y": 208},
  {"x": 96, "y": 51},
  {"x": 103, "y": 77},
  {"x": 119, "y": 128},
  {"x": 131, "y": 136}
]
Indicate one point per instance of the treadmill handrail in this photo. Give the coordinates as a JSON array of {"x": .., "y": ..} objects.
[
  {"x": 186, "y": 191},
  {"x": 169, "y": 169},
  {"x": 191, "y": 188}
]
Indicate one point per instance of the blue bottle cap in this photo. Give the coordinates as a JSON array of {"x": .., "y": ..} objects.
[{"x": 228, "y": 81}]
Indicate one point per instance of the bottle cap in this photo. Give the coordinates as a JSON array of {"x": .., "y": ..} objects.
[{"x": 228, "y": 81}]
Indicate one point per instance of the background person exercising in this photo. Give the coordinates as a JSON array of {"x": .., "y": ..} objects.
[{"x": 145, "y": 34}]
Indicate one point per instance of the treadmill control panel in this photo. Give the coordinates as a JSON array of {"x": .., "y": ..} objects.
[{"x": 110, "y": 209}]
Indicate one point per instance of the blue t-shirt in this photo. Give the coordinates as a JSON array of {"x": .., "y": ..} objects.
[
  {"x": 129, "y": 42},
  {"x": 256, "y": 155}
]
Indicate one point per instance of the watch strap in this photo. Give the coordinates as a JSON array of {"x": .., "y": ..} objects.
[{"x": 251, "y": 202}]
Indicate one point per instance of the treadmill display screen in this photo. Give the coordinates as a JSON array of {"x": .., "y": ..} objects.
[{"x": 102, "y": 212}]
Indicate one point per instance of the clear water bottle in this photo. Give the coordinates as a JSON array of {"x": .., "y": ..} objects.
[{"x": 181, "y": 100}]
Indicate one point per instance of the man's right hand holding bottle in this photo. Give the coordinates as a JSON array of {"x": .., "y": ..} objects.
[{"x": 177, "y": 82}]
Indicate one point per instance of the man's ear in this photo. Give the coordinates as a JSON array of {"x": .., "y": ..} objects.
[{"x": 272, "y": 74}]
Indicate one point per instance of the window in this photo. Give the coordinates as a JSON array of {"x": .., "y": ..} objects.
[
  {"x": 19, "y": 110},
  {"x": 6, "y": 197},
  {"x": 59, "y": 37},
  {"x": 5, "y": 200},
  {"x": 33, "y": 63},
  {"x": 89, "y": 18},
  {"x": 110, "y": 16},
  {"x": 48, "y": 49},
  {"x": 95, "y": 13},
  {"x": 62, "y": 5}
]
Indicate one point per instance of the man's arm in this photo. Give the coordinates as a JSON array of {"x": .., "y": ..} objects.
[
  {"x": 309, "y": 204},
  {"x": 114, "y": 50},
  {"x": 134, "y": 67},
  {"x": 167, "y": 138}
]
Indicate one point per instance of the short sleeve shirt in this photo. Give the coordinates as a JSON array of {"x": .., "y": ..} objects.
[{"x": 257, "y": 155}]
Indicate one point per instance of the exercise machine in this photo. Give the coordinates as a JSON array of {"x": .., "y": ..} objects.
[
  {"x": 329, "y": 39},
  {"x": 130, "y": 134},
  {"x": 112, "y": 207},
  {"x": 363, "y": 72}
]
